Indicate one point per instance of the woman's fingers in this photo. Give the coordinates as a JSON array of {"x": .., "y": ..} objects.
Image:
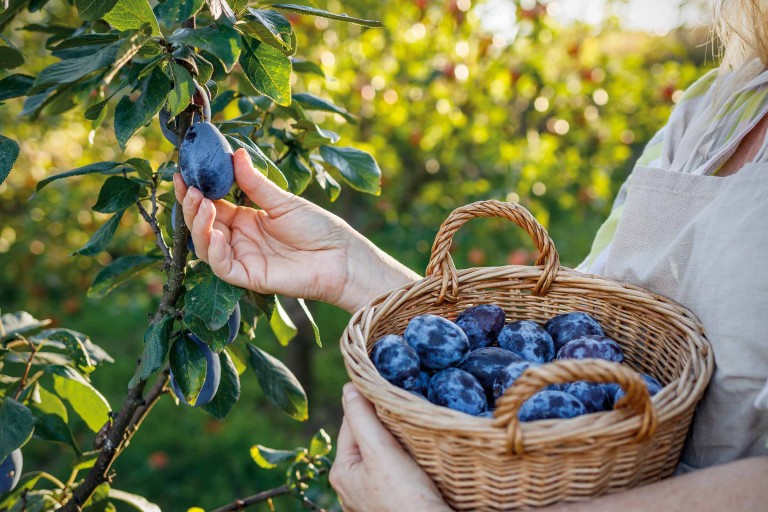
[
  {"x": 274, "y": 200},
  {"x": 372, "y": 438},
  {"x": 222, "y": 261},
  {"x": 345, "y": 473},
  {"x": 179, "y": 187},
  {"x": 202, "y": 223}
]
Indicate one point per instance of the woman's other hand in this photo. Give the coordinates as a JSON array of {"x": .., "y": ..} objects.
[
  {"x": 290, "y": 246},
  {"x": 372, "y": 472}
]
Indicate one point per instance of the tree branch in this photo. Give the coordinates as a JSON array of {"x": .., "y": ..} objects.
[
  {"x": 152, "y": 221},
  {"x": 240, "y": 504},
  {"x": 23, "y": 381}
]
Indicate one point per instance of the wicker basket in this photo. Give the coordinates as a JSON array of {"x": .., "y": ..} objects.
[{"x": 499, "y": 463}]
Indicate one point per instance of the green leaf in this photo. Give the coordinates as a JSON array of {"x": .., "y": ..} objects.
[
  {"x": 321, "y": 444},
  {"x": 19, "y": 322},
  {"x": 99, "y": 167},
  {"x": 142, "y": 166},
  {"x": 10, "y": 57},
  {"x": 269, "y": 458},
  {"x": 14, "y": 86},
  {"x": 171, "y": 12},
  {"x": 221, "y": 41},
  {"x": 86, "y": 40},
  {"x": 73, "y": 344},
  {"x": 138, "y": 502},
  {"x": 260, "y": 161},
  {"x": 189, "y": 367},
  {"x": 52, "y": 418},
  {"x": 312, "y": 322},
  {"x": 118, "y": 272},
  {"x": 219, "y": 9},
  {"x": 9, "y": 152},
  {"x": 16, "y": 426},
  {"x": 117, "y": 194},
  {"x": 305, "y": 66},
  {"x": 92, "y": 10},
  {"x": 272, "y": 28},
  {"x": 55, "y": 337},
  {"x": 101, "y": 238},
  {"x": 208, "y": 297},
  {"x": 79, "y": 395},
  {"x": 313, "y": 135},
  {"x": 229, "y": 389},
  {"x": 266, "y": 303},
  {"x": 72, "y": 70},
  {"x": 183, "y": 89},
  {"x": 326, "y": 181},
  {"x": 312, "y": 102},
  {"x": 296, "y": 172},
  {"x": 216, "y": 340},
  {"x": 267, "y": 69},
  {"x": 157, "y": 340},
  {"x": 358, "y": 168},
  {"x": 280, "y": 386},
  {"x": 281, "y": 324},
  {"x": 131, "y": 15},
  {"x": 130, "y": 116},
  {"x": 311, "y": 11}
]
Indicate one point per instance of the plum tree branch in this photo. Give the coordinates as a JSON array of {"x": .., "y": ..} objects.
[
  {"x": 25, "y": 376},
  {"x": 255, "y": 499},
  {"x": 152, "y": 221}
]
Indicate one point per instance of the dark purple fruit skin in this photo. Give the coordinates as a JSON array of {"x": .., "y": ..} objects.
[
  {"x": 396, "y": 361},
  {"x": 481, "y": 324},
  {"x": 652, "y": 384},
  {"x": 528, "y": 340},
  {"x": 205, "y": 159},
  {"x": 234, "y": 324},
  {"x": 170, "y": 135},
  {"x": 418, "y": 386},
  {"x": 484, "y": 364},
  {"x": 591, "y": 394},
  {"x": 10, "y": 471},
  {"x": 568, "y": 326},
  {"x": 212, "y": 376},
  {"x": 202, "y": 99},
  {"x": 592, "y": 347},
  {"x": 190, "y": 244},
  {"x": 457, "y": 390},
  {"x": 438, "y": 342},
  {"x": 547, "y": 404},
  {"x": 508, "y": 375}
]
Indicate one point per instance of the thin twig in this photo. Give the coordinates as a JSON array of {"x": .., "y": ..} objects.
[
  {"x": 240, "y": 504},
  {"x": 159, "y": 240},
  {"x": 23, "y": 381}
]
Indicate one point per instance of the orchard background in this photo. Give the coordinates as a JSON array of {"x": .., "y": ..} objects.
[{"x": 457, "y": 100}]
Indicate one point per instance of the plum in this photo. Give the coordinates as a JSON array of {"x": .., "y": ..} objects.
[
  {"x": 203, "y": 100},
  {"x": 592, "y": 347},
  {"x": 418, "y": 386},
  {"x": 438, "y": 342},
  {"x": 234, "y": 323},
  {"x": 485, "y": 363},
  {"x": 168, "y": 126},
  {"x": 591, "y": 394},
  {"x": 528, "y": 340},
  {"x": 508, "y": 375},
  {"x": 174, "y": 212},
  {"x": 568, "y": 326},
  {"x": 10, "y": 471},
  {"x": 205, "y": 159},
  {"x": 457, "y": 390},
  {"x": 212, "y": 376},
  {"x": 652, "y": 384},
  {"x": 549, "y": 404},
  {"x": 481, "y": 324},
  {"x": 396, "y": 361}
]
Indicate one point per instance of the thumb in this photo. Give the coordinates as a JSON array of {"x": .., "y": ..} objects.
[
  {"x": 258, "y": 187},
  {"x": 370, "y": 435}
]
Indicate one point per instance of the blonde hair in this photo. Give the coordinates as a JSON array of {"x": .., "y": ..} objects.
[{"x": 742, "y": 28}]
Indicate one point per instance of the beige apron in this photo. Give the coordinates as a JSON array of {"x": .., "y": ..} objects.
[{"x": 703, "y": 242}]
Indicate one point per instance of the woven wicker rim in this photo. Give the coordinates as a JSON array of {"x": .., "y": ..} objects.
[{"x": 635, "y": 417}]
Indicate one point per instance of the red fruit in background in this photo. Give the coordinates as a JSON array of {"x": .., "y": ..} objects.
[
  {"x": 421, "y": 4},
  {"x": 476, "y": 257},
  {"x": 448, "y": 71},
  {"x": 518, "y": 257},
  {"x": 668, "y": 91},
  {"x": 414, "y": 138},
  {"x": 157, "y": 460}
]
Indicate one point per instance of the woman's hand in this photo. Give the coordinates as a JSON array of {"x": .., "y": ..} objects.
[
  {"x": 372, "y": 472},
  {"x": 290, "y": 246}
]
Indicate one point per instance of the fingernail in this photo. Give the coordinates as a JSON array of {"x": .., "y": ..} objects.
[{"x": 350, "y": 392}]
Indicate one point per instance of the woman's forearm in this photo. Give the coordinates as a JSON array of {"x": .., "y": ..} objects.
[
  {"x": 370, "y": 273},
  {"x": 734, "y": 487}
]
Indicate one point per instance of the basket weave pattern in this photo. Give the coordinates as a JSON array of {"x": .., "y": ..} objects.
[{"x": 501, "y": 464}]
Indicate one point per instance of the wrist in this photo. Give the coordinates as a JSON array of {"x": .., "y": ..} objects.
[{"x": 370, "y": 272}]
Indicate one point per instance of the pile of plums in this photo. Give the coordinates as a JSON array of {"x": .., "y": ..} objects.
[{"x": 467, "y": 364}]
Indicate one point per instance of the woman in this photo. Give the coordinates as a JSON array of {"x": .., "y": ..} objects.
[{"x": 691, "y": 223}]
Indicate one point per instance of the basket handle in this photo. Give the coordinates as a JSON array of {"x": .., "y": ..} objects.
[
  {"x": 441, "y": 263},
  {"x": 636, "y": 396}
]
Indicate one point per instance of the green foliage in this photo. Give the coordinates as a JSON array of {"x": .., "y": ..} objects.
[{"x": 278, "y": 383}]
